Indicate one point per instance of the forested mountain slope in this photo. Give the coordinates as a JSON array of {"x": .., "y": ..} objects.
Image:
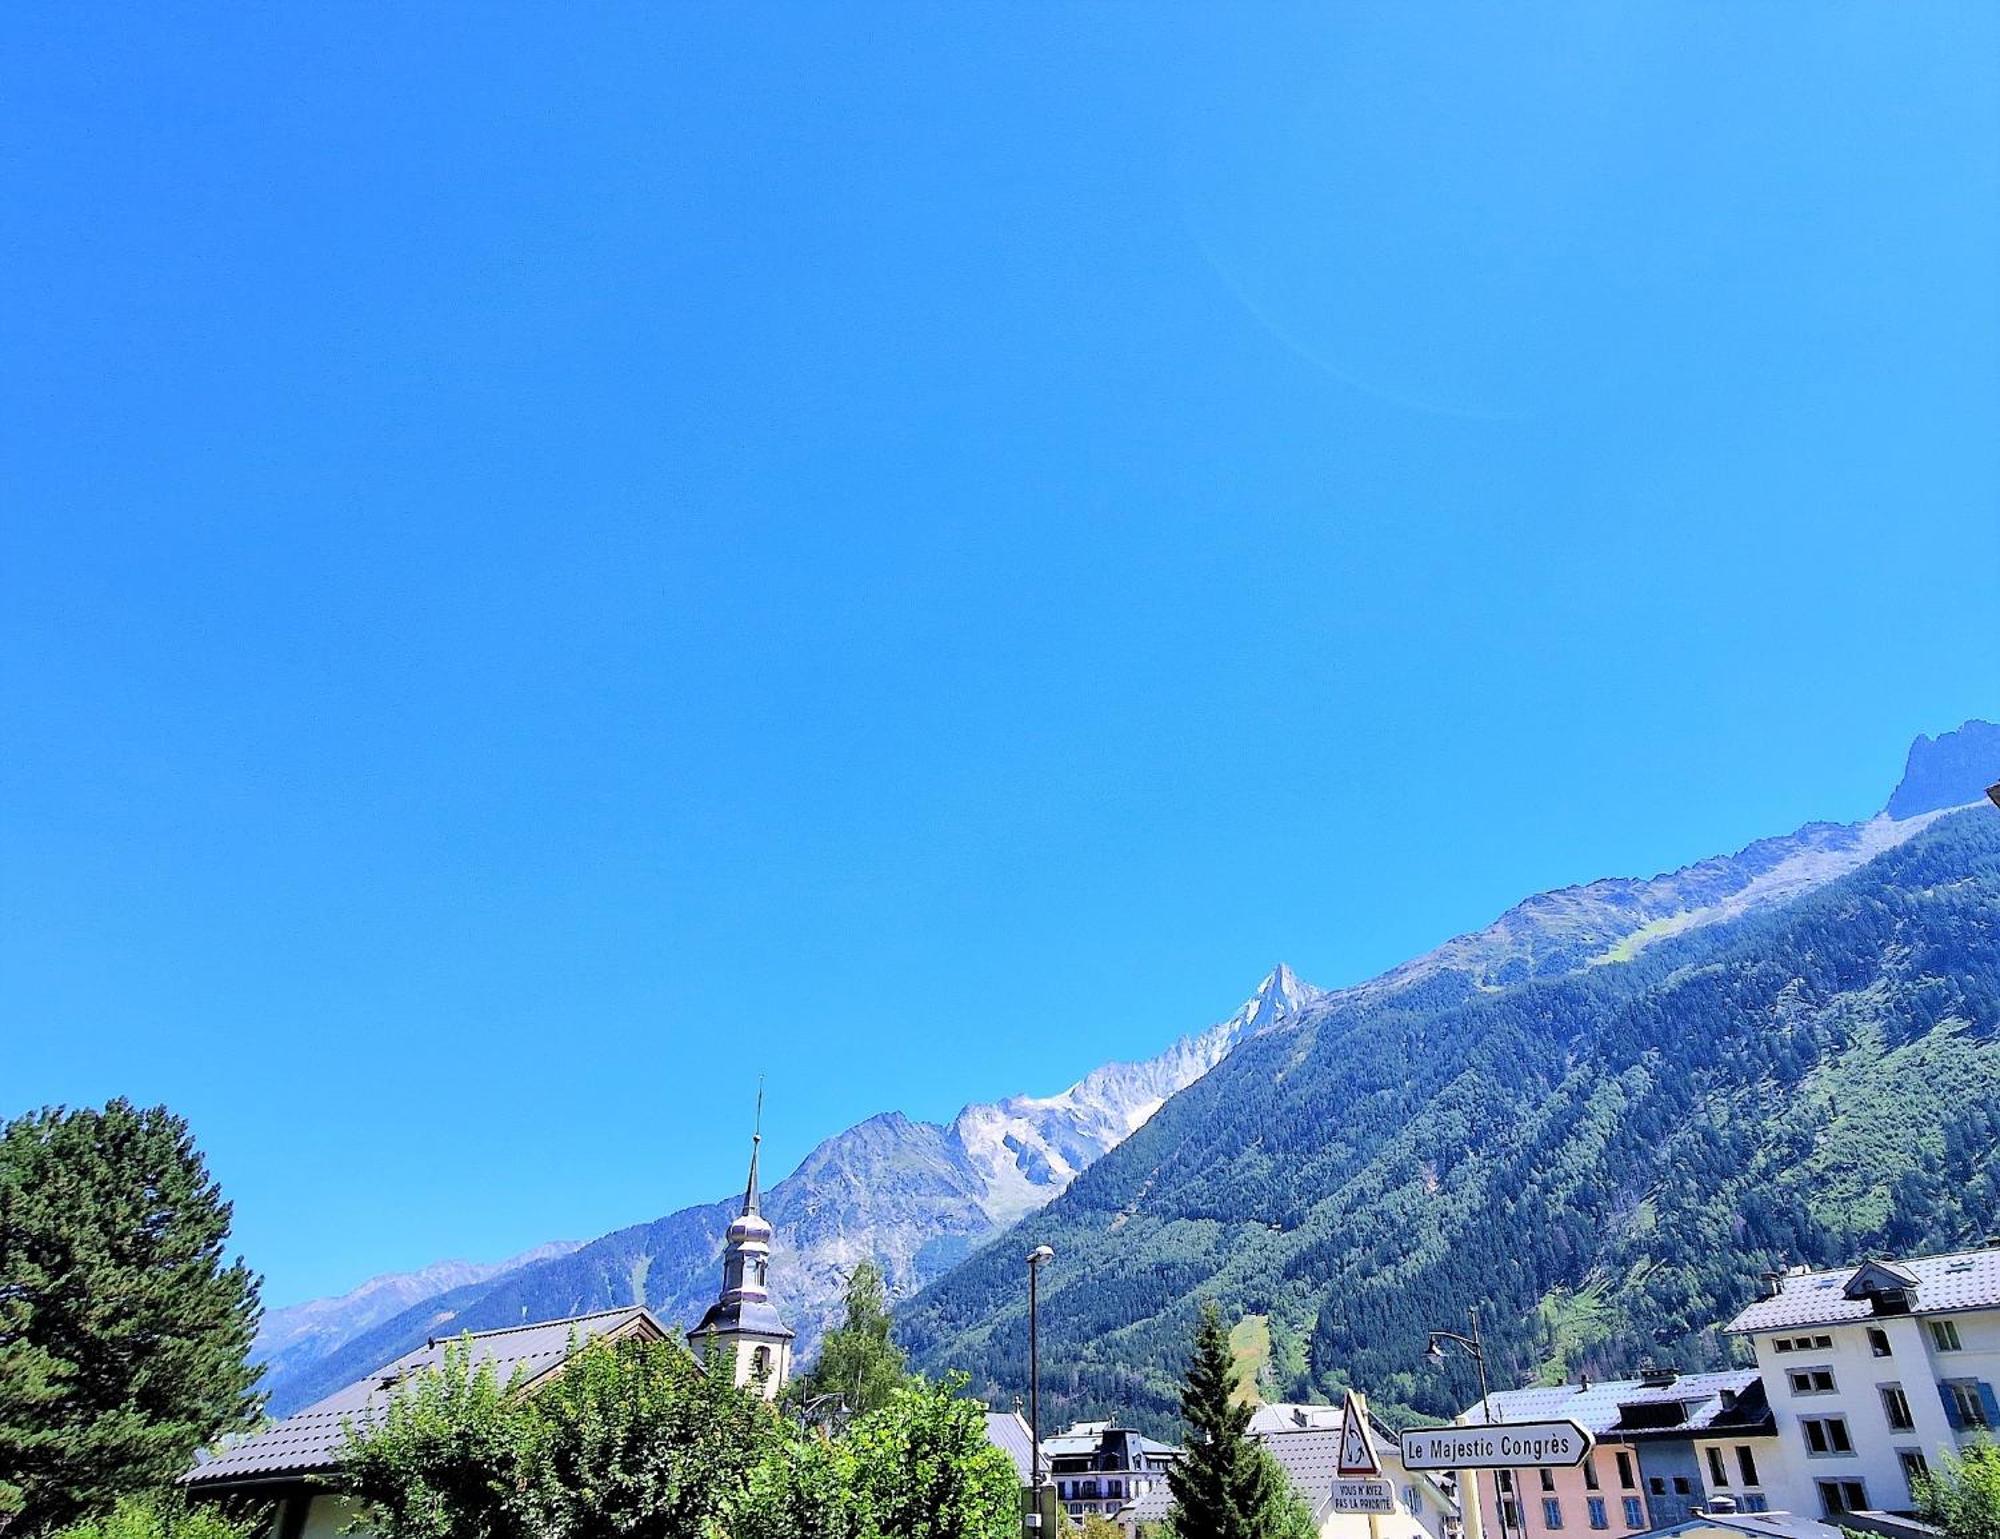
[{"x": 1603, "y": 1161}]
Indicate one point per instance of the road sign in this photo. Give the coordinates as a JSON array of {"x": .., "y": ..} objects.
[
  {"x": 1357, "y": 1448},
  {"x": 1374, "y": 1497},
  {"x": 1501, "y": 1446}
]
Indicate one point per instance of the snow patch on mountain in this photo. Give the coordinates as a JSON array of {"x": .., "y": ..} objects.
[{"x": 1027, "y": 1149}]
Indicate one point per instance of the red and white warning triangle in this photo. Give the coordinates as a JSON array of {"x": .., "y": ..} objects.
[{"x": 1357, "y": 1448}]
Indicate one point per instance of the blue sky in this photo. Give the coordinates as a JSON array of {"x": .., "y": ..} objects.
[{"x": 557, "y": 558}]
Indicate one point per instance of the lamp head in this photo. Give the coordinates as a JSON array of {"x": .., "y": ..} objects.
[
  {"x": 1435, "y": 1352},
  {"x": 1040, "y": 1254}
]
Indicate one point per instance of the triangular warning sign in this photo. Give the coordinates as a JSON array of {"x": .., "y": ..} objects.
[{"x": 1357, "y": 1448}]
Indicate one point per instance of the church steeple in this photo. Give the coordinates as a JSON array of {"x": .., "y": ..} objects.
[{"x": 742, "y": 1321}]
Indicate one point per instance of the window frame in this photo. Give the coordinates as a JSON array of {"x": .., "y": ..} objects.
[
  {"x": 1945, "y": 1337},
  {"x": 1893, "y": 1399},
  {"x": 1597, "y": 1512},
  {"x": 1634, "y": 1512},
  {"x": 1552, "y": 1513}
]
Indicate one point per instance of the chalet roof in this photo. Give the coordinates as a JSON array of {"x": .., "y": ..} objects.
[
  {"x": 310, "y": 1441},
  {"x": 1619, "y": 1408},
  {"x": 1967, "y": 1279}
]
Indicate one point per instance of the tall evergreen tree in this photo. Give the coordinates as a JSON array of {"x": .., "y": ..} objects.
[
  {"x": 123, "y": 1336},
  {"x": 1228, "y": 1486},
  {"x": 858, "y": 1360}
]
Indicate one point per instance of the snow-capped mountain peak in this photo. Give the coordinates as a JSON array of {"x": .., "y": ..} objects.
[{"x": 1026, "y": 1149}]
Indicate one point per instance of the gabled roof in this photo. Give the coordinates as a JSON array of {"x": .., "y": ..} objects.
[
  {"x": 310, "y": 1441},
  {"x": 1619, "y": 1408},
  {"x": 1008, "y": 1431},
  {"x": 1966, "y": 1279}
]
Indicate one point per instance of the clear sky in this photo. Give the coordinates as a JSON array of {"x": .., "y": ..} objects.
[{"x": 556, "y": 558}]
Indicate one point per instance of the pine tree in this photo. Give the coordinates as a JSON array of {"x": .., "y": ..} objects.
[
  {"x": 1228, "y": 1486},
  {"x": 123, "y": 1337}
]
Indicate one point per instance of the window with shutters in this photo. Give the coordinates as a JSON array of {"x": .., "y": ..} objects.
[
  {"x": 1635, "y": 1512},
  {"x": 1598, "y": 1516},
  {"x": 1552, "y": 1513},
  {"x": 1965, "y": 1403}
]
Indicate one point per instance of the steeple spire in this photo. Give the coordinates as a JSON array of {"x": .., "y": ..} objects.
[
  {"x": 742, "y": 1321},
  {"x": 756, "y": 1142}
]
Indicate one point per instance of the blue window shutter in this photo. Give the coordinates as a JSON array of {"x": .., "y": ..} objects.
[
  {"x": 1992, "y": 1406},
  {"x": 1951, "y": 1408}
]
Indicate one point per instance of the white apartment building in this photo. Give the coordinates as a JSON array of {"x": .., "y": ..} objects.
[{"x": 1873, "y": 1370}]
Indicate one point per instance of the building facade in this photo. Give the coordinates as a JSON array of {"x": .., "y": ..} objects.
[
  {"x": 1100, "y": 1468},
  {"x": 1874, "y": 1370},
  {"x": 1668, "y": 1444}
]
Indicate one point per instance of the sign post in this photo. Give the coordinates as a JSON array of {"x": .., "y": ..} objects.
[
  {"x": 1358, "y": 1485},
  {"x": 1503, "y": 1445}
]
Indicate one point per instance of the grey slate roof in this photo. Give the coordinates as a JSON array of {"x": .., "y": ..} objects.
[
  {"x": 1600, "y": 1407},
  {"x": 757, "y": 1316},
  {"x": 1311, "y": 1460},
  {"x": 310, "y": 1441},
  {"x": 1966, "y": 1279},
  {"x": 1008, "y": 1432}
]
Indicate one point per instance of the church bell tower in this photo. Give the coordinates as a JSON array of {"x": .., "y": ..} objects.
[{"x": 742, "y": 1324}]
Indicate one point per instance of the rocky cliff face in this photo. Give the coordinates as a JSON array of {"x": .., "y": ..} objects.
[{"x": 1948, "y": 771}]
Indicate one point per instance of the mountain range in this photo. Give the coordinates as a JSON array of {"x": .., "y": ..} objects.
[
  {"x": 1306, "y": 1082},
  {"x": 1598, "y": 1120},
  {"x": 917, "y": 1197}
]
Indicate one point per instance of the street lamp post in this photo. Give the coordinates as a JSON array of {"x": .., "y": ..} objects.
[
  {"x": 1468, "y": 1480},
  {"x": 1037, "y": 1258}
]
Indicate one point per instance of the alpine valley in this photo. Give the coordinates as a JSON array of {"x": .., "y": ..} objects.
[
  {"x": 1616, "y": 1103},
  {"x": 1597, "y": 1121}
]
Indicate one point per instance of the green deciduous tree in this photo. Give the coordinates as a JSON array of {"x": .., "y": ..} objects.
[
  {"x": 920, "y": 1467},
  {"x": 1962, "y": 1496},
  {"x": 161, "y": 1516},
  {"x": 629, "y": 1440},
  {"x": 1227, "y": 1487},
  {"x": 633, "y": 1440},
  {"x": 858, "y": 1360},
  {"x": 123, "y": 1336},
  {"x": 444, "y": 1459}
]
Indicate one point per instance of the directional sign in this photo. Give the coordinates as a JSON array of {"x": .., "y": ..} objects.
[
  {"x": 1357, "y": 1448},
  {"x": 1501, "y": 1446},
  {"x": 1372, "y": 1496}
]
